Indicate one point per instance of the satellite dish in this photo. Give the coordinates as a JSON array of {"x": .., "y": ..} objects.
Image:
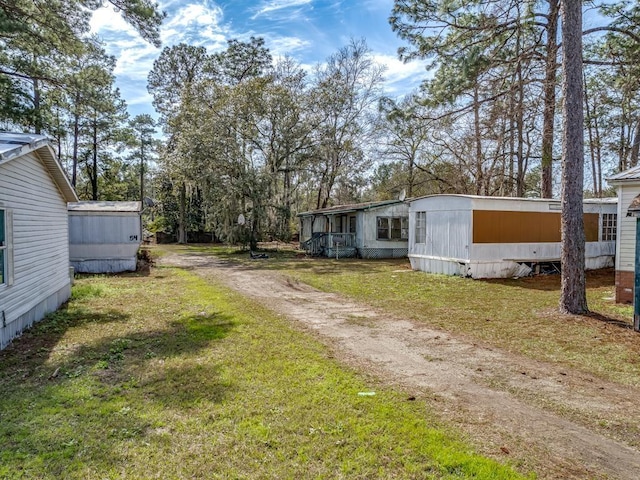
[
  {"x": 241, "y": 219},
  {"x": 403, "y": 195}
]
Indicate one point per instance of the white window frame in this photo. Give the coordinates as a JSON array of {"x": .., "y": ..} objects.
[
  {"x": 7, "y": 248},
  {"x": 421, "y": 227},
  {"x": 3, "y": 247},
  {"x": 404, "y": 228},
  {"x": 379, "y": 221},
  {"x": 609, "y": 227}
]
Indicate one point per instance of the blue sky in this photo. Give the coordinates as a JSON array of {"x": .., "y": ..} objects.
[{"x": 307, "y": 30}]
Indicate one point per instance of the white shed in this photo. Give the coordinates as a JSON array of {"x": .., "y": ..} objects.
[
  {"x": 34, "y": 247},
  {"x": 628, "y": 185},
  {"x": 500, "y": 237},
  {"x": 366, "y": 230},
  {"x": 104, "y": 237}
]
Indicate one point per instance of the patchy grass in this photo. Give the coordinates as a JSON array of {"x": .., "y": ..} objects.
[
  {"x": 167, "y": 376},
  {"x": 518, "y": 315}
]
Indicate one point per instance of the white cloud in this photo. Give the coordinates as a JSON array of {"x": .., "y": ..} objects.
[
  {"x": 281, "y": 46},
  {"x": 193, "y": 20},
  {"x": 191, "y": 23},
  {"x": 271, "y": 6},
  {"x": 107, "y": 19},
  {"x": 401, "y": 77},
  {"x": 140, "y": 98},
  {"x": 282, "y": 23}
]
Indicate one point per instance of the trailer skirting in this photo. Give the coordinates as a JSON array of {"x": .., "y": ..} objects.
[
  {"x": 104, "y": 265},
  {"x": 14, "y": 328},
  {"x": 491, "y": 269}
]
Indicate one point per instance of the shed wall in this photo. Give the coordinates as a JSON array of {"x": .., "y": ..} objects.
[
  {"x": 40, "y": 245},
  {"x": 104, "y": 243}
]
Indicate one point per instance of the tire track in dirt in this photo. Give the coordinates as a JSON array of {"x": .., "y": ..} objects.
[{"x": 470, "y": 384}]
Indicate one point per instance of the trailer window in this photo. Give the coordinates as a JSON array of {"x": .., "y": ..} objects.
[
  {"x": 609, "y": 226},
  {"x": 396, "y": 228},
  {"x": 421, "y": 227},
  {"x": 352, "y": 224},
  {"x": 383, "y": 228},
  {"x": 392, "y": 228}
]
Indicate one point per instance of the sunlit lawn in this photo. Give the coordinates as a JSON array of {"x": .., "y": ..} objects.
[
  {"x": 166, "y": 376},
  {"x": 519, "y": 315}
]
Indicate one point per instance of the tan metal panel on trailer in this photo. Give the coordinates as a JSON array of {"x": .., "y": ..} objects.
[{"x": 501, "y": 226}]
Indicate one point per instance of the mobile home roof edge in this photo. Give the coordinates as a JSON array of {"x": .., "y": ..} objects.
[
  {"x": 15, "y": 145},
  {"x": 104, "y": 206},
  {"x": 351, "y": 207},
  {"x": 524, "y": 199},
  {"x": 630, "y": 175}
]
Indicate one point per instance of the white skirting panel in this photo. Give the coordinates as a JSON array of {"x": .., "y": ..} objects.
[
  {"x": 104, "y": 265},
  {"x": 438, "y": 265},
  {"x": 496, "y": 269},
  {"x": 37, "y": 313},
  {"x": 604, "y": 261}
]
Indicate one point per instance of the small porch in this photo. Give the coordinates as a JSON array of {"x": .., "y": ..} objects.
[{"x": 338, "y": 245}]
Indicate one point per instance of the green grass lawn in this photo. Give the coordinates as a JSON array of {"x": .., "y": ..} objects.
[
  {"x": 518, "y": 315},
  {"x": 167, "y": 376}
]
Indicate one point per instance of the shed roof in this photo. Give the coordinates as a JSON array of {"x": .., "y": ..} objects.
[
  {"x": 104, "y": 206},
  {"x": 630, "y": 175},
  {"x": 353, "y": 207},
  {"x": 16, "y": 145}
]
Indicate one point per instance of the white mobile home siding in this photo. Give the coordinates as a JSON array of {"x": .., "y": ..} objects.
[
  {"x": 41, "y": 280},
  {"x": 626, "y": 241},
  {"x": 449, "y": 247},
  {"x": 334, "y": 224},
  {"x": 367, "y": 242},
  {"x": 445, "y": 248}
]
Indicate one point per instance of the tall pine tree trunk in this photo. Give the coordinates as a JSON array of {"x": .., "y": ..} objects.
[
  {"x": 520, "y": 127},
  {"x": 182, "y": 214},
  {"x": 598, "y": 156},
  {"x": 477, "y": 139},
  {"x": 573, "y": 298},
  {"x": 551, "y": 69},
  {"x": 142, "y": 171},
  {"x": 635, "y": 146},
  {"x": 37, "y": 107},
  {"x": 94, "y": 176},
  {"x": 592, "y": 147},
  {"x": 76, "y": 140}
]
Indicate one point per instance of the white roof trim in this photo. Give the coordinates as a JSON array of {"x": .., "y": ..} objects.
[
  {"x": 105, "y": 206},
  {"x": 630, "y": 175},
  {"x": 15, "y": 145}
]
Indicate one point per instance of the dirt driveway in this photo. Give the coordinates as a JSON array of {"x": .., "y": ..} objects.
[{"x": 542, "y": 417}]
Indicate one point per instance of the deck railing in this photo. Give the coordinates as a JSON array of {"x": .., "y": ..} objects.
[{"x": 319, "y": 242}]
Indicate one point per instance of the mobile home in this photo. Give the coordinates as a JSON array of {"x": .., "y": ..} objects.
[
  {"x": 104, "y": 237},
  {"x": 34, "y": 245},
  {"x": 499, "y": 237},
  {"x": 366, "y": 230}
]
